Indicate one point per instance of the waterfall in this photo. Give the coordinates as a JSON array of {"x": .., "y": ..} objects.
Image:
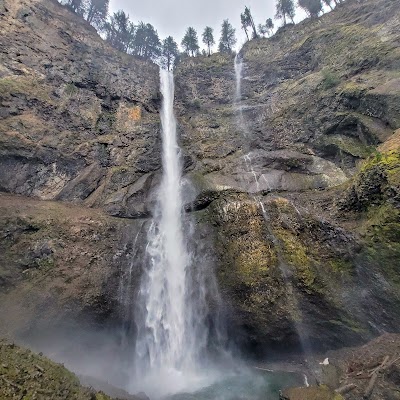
[
  {"x": 299, "y": 326},
  {"x": 173, "y": 332},
  {"x": 238, "y": 94},
  {"x": 238, "y": 76}
]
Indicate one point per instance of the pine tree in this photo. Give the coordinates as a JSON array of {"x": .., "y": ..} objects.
[
  {"x": 169, "y": 52},
  {"x": 77, "y": 6},
  {"x": 262, "y": 30},
  {"x": 228, "y": 38},
  {"x": 270, "y": 26},
  {"x": 285, "y": 9},
  {"x": 267, "y": 28},
  {"x": 312, "y": 7},
  {"x": 120, "y": 31},
  {"x": 250, "y": 21},
  {"x": 145, "y": 42},
  {"x": 190, "y": 42},
  {"x": 245, "y": 24},
  {"x": 208, "y": 38},
  {"x": 97, "y": 12}
]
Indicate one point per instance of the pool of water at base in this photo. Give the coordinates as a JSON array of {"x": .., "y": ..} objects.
[{"x": 251, "y": 384}]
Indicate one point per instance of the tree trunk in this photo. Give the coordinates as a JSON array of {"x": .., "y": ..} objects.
[{"x": 245, "y": 30}]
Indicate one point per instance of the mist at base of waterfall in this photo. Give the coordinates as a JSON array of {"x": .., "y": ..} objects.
[{"x": 219, "y": 384}]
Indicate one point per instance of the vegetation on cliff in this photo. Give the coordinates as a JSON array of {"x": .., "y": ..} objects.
[
  {"x": 142, "y": 39},
  {"x": 25, "y": 375}
]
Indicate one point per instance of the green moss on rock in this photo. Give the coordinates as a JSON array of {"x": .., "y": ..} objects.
[
  {"x": 25, "y": 375},
  {"x": 28, "y": 85}
]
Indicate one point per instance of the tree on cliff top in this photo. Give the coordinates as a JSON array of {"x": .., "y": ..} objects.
[
  {"x": 120, "y": 31},
  {"x": 285, "y": 9},
  {"x": 267, "y": 28},
  {"x": 269, "y": 25},
  {"x": 311, "y": 7},
  {"x": 208, "y": 38},
  {"x": 77, "y": 6},
  {"x": 169, "y": 53},
  {"x": 248, "y": 20},
  {"x": 145, "y": 42},
  {"x": 245, "y": 24},
  {"x": 228, "y": 38},
  {"x": 190, "y": 42},
  {"x": 97, "y": 12}
]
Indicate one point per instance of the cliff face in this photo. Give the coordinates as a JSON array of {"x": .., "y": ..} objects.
[
  {"x": 79, "y": 120},
  {"x": 294, "y": 187},
  {"x": 317, "y": 99}
]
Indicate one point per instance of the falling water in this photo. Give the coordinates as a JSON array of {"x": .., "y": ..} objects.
[
  {"x": 172, "y": 323},
  {"x": 301, "y": 331},
  {"x": 238, "y": 76},
  {"x": 238, "y": 94}
]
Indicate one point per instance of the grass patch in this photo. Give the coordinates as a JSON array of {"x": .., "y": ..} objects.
[{"x": 329, "y": 79}]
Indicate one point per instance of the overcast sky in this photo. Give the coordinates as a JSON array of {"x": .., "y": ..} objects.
[{"x": 172, "y": 17}]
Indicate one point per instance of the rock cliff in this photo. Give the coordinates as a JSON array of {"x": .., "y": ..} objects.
[
  {"x": 305, "y": 231},
  {"x": 294, "y": 186}
]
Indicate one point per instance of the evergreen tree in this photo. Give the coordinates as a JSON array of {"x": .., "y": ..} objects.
[
  {"x": 228, "y": 38},
  {"x": 270, "y": 26},
  {"x": 97, "y": 11},
  {"x": 249, "y": 19},
  {"x": 285, "y": 9},
  {"x": 145, "y": 42},
  {"x": 169, "y": 52},
  {"x": 245, "y": 24},
  {"x": 262, "y": 29},
  {"x": 77, "y": 6},
  {"x": 190, "y": 42},
  {"x": 120, "y": 31},
  {"x": 208, "y": 38},
  {"x": 267, "y": 28},
  {"x": 311, "y": 7}
]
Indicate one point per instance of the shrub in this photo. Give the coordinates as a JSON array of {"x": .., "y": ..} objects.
[{"x": 329, "y": 79}]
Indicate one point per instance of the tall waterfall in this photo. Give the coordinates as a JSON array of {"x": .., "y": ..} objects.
[
  {"x": 238, "y": 76},
  {"x": 172, "y": 323},
  {"x": 238, "y": 95}
]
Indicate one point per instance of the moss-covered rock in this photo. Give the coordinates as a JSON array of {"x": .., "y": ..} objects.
[
  {"x": 26, "y": 376},
  {"x": 310, "y": 393}
]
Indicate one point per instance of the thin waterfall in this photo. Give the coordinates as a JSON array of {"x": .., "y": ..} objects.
[
  {"x": 299, "y": 326},
  {"x": 173, "y": 316},
  {"x": 238, "y": 94},
  {"x": 238, "y": 76}
]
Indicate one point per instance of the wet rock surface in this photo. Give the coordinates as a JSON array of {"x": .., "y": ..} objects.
[
  {"x": 294, "y": 190},
  {"x": 79, "y": 120}
]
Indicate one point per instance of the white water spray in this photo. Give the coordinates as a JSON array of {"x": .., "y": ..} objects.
[
  {"x": 172, "y": 325},
  {"x": 238, "y": 76}
]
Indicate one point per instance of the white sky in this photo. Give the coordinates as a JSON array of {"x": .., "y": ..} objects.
[{"x": 172, "y": 17}]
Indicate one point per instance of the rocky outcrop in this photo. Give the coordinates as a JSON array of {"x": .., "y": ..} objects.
[
  {"x": 27, "y": 375},
  {"x": 302, "y": 257},
  {"x": 63, "y": 265},
  {"x": 310, "y": 393},
  {"x": 311, "y": 106},
  {"x": 79, "y": 120}
]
